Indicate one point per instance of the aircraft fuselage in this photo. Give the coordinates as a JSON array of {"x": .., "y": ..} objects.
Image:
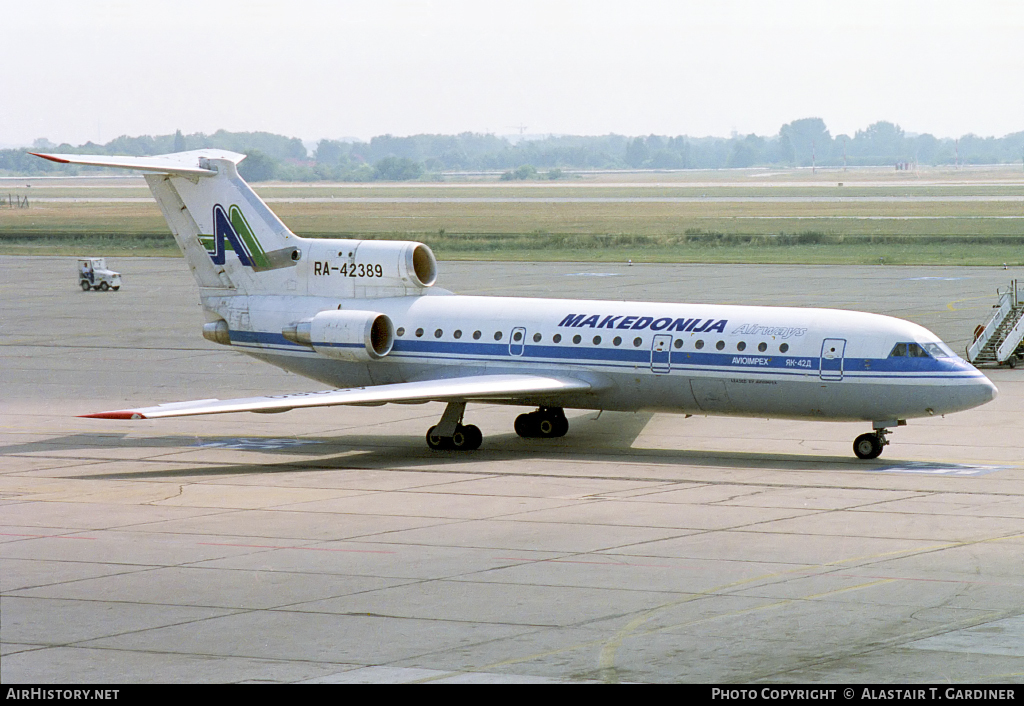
[{"x": 685, "y": 358}]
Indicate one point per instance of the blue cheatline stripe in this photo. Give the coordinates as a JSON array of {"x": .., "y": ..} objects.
[{"x": 630, "y": 358}]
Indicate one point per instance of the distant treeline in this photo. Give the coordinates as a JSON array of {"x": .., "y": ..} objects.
[{"x": 801, "y": 143}]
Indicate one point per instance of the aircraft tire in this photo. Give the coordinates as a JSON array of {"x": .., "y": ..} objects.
[
  {"x": 541, "y": 425},
  {"x": 437, "y": 443},
  {"x": 476, "y": 437},
  {"x": 546, "y": 427},
  {"x": 467, "y": 438},
  {"x": 867, "y": 446},
  {"x": 526, "y": 425}
]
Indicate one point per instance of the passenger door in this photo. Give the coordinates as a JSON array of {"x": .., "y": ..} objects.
[
  {"x": 660, "y": 351},
  {"x": 832, "y": 350},
  {"x": 517, "y": 341}
]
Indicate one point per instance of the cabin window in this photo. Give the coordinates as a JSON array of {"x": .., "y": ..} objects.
[
  {"x": 762, "y": 346},
  {"x": 637, "y": 342},
  {"x": 517, "y": 336},
  {"x": 617, "y": 341},
  {"x": 720, "y": 345},
  {"x": 557, "y": 338},
  {"x": 537, "y": 337},
  {"x": 597, "y": 340},
  {"x": 419, "y": 333},
  {"x": 476, "y": 335},
  {"x": 698, "y": 345},
  {"x": 438, "y": 333},
  {"x": 458, "y": 333},
  {"x": 400, "y": 331},
  {"x": 741, "y": 346},
  {"x": 783, "y": 348},
  {"x": 577, "y": 338},
  {"x": 678, "y": 343},
  {"x": 497, "y": 335}
]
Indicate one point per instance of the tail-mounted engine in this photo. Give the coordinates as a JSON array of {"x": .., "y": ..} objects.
[
  {"x": 368, "y": 268},
  {"x": 345, "y": 335}
]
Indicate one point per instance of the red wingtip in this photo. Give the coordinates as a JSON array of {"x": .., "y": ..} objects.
[
  {"x": 113, "y": 415},
  {"x": 50, "y": 157}
]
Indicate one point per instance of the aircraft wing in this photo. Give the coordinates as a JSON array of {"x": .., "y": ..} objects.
[{"x": 477, "y": 387}]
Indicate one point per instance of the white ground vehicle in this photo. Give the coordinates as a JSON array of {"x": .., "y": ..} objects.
[{"x": 93, "y": 274}]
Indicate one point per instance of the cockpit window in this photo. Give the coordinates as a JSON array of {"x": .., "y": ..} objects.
[
  {"x": 921, "y": 350},
  {"x": 938, "y": 350}
]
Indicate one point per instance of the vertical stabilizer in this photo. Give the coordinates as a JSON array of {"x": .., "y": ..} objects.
[
  {"x": 211, "y": 211},
  {"x": 187, "y": 233},
  {"x": 228, "y": 217}
]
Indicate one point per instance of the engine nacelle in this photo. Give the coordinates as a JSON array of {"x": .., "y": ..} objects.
[
  {"x": 345, "y": 335},
  {"x": 368, "y": 268}
]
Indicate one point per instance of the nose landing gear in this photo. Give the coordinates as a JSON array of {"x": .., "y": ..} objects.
[{"x": 868, "y": 446}]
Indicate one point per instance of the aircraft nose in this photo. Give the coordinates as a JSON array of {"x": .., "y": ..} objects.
[
  {"x": 992, "y": 391},
  {"x": 981, "y": 392}
]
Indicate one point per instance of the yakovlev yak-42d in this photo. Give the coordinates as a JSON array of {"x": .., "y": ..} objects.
[{"x": 363, "y": 317}]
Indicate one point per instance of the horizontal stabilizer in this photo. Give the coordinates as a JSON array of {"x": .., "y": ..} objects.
[
  {"x": 477, "y": 387},
  {"x": 178, "y": 163}
]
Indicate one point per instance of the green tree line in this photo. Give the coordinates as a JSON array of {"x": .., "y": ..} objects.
[{"x": 800, "y": 143}]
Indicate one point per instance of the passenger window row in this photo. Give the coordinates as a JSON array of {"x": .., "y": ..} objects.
[{"x": 596, "y": 340}]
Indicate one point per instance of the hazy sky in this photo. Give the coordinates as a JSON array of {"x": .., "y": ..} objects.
[{"x": 77, "y": 70}]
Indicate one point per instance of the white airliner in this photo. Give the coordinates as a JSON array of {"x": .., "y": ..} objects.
[{"x": 363, "y": 317}]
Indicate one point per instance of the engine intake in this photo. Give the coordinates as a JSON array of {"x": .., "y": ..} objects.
[
  {"x": 364, "y": 269},
  {"x": 345, "y": 335}
]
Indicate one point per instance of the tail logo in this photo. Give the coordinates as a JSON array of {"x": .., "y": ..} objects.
[{"x": 232, "y": 226}]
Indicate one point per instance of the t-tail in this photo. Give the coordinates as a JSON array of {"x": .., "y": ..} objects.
[{"x": 233, "y": 241}]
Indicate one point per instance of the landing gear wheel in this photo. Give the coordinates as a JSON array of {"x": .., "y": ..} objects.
[
  {"x": 868, "y": 446},
  {"x": 545, "y": 423},
  {"x": 465, "y": 438},
  {"x": 546, "y": 428},
  {"x": 437, "y": 443},
  {"x": 525, "y": 425},
  {"x": 475, "y": 436},
  {"x": 85, "y": 285}
]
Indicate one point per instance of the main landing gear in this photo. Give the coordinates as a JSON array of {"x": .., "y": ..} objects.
[
  {"x": 545, "y": 423},
  {"x": 868, "y": 446},
  {"x": 450, "y": 434}
]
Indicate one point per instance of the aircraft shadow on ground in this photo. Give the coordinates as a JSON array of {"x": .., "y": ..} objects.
[{"x": 404, "y": 452}]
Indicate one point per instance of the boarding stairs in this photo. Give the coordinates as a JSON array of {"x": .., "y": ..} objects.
[{"x": 1001, "y": 340}]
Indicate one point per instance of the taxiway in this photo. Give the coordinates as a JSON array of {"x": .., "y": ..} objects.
[{"x": 330, "y": 545}]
